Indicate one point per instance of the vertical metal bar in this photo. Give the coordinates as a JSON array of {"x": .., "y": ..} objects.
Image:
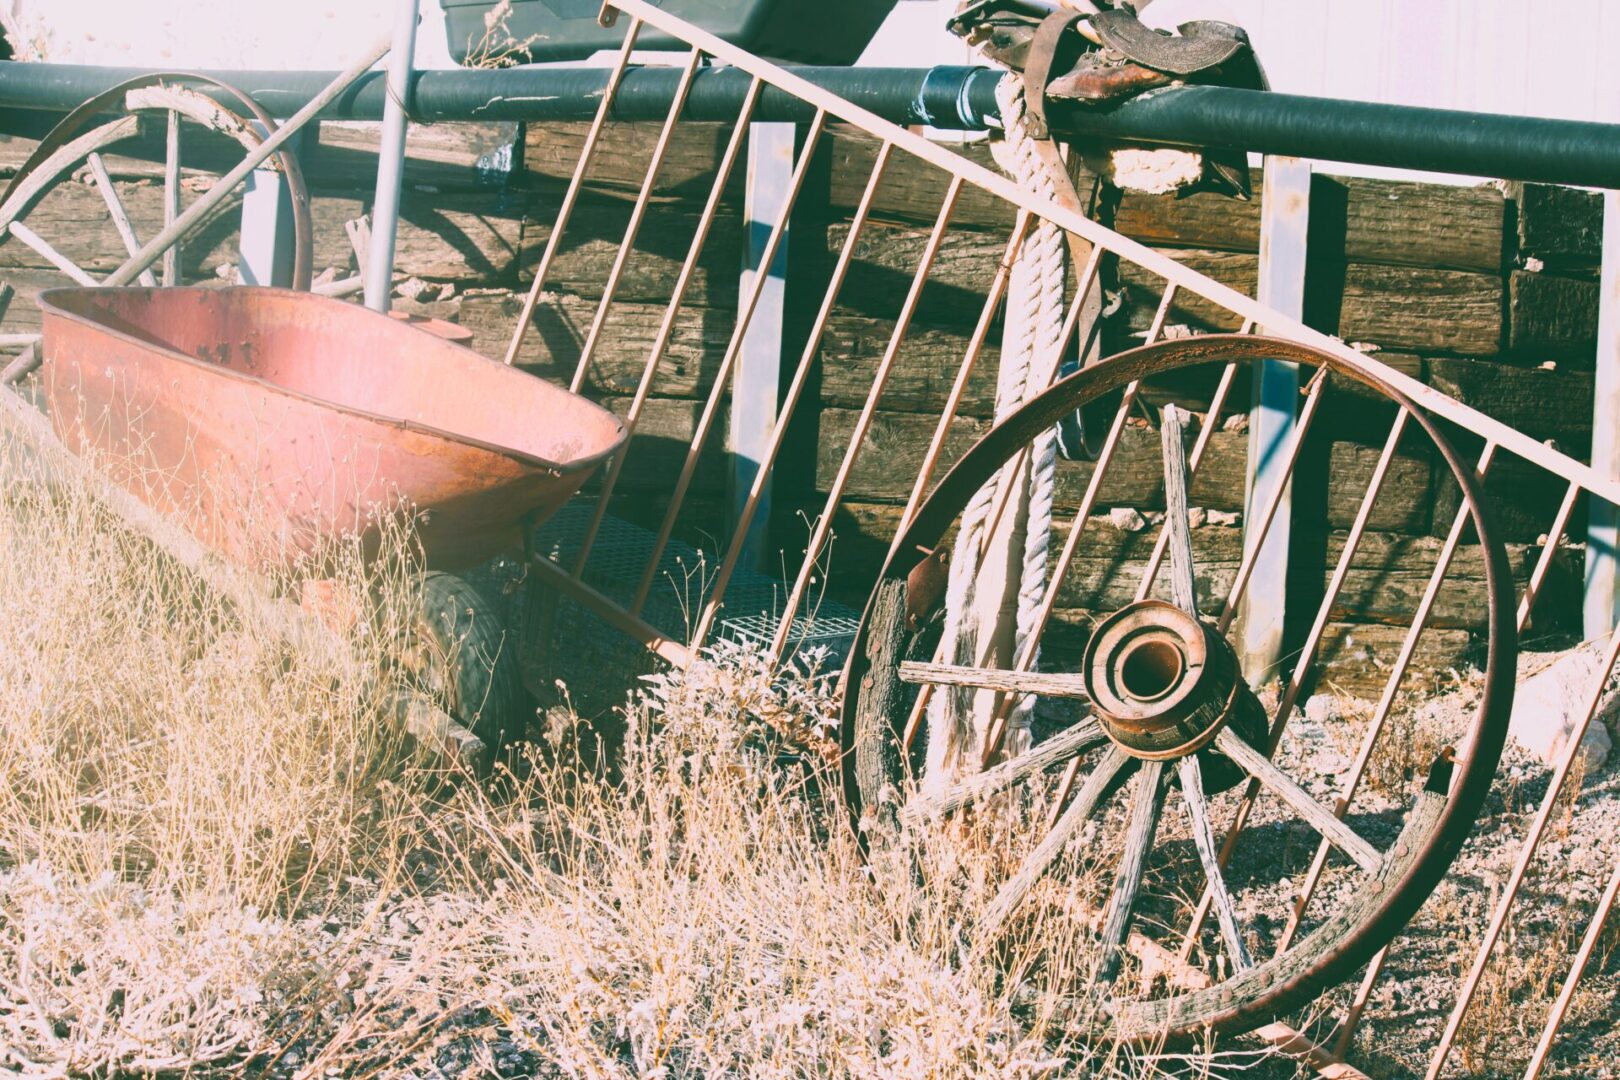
[
  {"x": 852, "y": 451},
  {"x": 1601, "y": 609},
  {"x": 171, "y": 198},
  {"x": 756, "y": 388},
  {"x": 745, "y": 314},
  {"x": 1284, "y": 223},
  {"x": 627, "y": 243},
  {"x": 1375, "y": 968},
  {"x": 1521, "y": 866},
  {"x": 265, "y": 244},
  {"x": 666, "y": 326},
  {"x": 1307, "y": 657},
  {"x": 1358, "y": 1004},
  {"x": 1555, "y": 1019},
  {"x": 391, "y": 159},
  {"x": 1352, "y": 542},
  {"x": 575, "y": 182},
  {"x": 735, "y": 550},
  {"x": 1459, "y": 524},
  {"x": 1280, "y": 473}
]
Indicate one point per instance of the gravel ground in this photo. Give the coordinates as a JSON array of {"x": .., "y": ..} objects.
[{"x": 1426, "y": 964}]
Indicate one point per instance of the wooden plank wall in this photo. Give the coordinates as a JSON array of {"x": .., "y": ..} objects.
[{"x": 1488, "y": 293}]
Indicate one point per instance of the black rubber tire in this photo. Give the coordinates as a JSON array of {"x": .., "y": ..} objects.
[{"x": 474, "y": 658}]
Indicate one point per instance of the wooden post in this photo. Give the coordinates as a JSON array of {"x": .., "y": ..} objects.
[
  {"x": 1284, "y": 221},
  {"x": 1602, "y": 603},
  {"x": 756, "y": 388}
]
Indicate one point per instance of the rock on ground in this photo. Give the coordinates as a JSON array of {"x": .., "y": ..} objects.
[{"x": 1552, "y": 702}]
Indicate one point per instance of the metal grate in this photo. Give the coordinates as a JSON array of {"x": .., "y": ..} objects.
[{"x": 684, "y": 583}]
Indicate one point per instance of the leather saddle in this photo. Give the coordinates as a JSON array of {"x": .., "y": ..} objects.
[{"x": 1087, "y": 55}]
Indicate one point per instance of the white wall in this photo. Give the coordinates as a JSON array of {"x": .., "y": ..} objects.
[
  {"x": 1547, "y": 58},
  {"x": 219, "y": 34},
  {"x": 1553, "y": 58}
]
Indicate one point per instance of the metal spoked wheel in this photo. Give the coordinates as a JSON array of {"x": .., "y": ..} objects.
[
  {"x": 173, "y": 110},
  {"x": 1153, "y": 712}
]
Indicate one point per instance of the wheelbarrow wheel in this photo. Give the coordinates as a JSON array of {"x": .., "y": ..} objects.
[
  {"x": 469, "y": 661},
  {"x": 1176, "y": 782}
]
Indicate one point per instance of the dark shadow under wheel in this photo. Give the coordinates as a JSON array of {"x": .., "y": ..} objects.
[{"x": 470, "y": 661}]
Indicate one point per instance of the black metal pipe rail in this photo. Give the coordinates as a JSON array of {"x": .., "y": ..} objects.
[{"x": 962, "y": 98}]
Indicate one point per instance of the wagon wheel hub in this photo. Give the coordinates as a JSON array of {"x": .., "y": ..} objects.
[{"x": 1162, "y": 683}]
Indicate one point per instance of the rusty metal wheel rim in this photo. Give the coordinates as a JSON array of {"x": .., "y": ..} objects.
[{"x": 1454, "y": 792}]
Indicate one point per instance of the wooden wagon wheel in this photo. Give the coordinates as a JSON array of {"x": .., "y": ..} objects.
[
  {"x": 1160, "y": 712},
  {"x": 116, "y": 119}
]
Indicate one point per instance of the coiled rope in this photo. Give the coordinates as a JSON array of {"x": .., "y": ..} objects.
[{"x": 991, "y": 604}]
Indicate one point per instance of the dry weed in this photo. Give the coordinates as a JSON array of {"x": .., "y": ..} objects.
[{"x": 216, "y": 856}]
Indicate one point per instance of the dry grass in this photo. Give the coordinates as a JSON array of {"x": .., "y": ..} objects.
[{"x": 215, "y": 855}]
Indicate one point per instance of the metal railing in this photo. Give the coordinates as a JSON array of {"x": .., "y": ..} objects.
[{"x": 824, "y": 107}]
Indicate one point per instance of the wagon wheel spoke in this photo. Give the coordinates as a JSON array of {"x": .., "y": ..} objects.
[
  {"x": 1183, "y": 586},
  {"x": 120, "y": 215},
  {"x": 50, "y": 254},
  {"x": 171, "y": 198},
  {"x": 1192, "y": 789},
  {"x": 1061, "y": 747},
  {"x": 1045, "y": 683},
  {"x": 1147, "y": 800},
  {"x": 1086, "y": 802},
  {"x": 1319, "y": 817}
]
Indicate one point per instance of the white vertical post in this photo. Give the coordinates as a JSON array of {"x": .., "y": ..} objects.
[
  {"x": 391, "y": 160},
  {"x": 756, "y": 386},
  {"x": 1602, "y": 603},
  {"x": 1284, "y": 221},
  {"x": 265, "y": 247}
]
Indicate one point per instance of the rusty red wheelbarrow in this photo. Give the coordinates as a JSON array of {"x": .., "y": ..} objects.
[
  {"x": 267, "y": 420},
  {"x": 261, "y": 423}
]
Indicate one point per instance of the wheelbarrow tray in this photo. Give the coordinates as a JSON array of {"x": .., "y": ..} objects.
[{"x": 267, "y": 421}]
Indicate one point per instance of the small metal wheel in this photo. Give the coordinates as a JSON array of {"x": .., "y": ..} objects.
[
  {"x": 171, "y": 110},
  {"x": 466, "y": 659},
  {"x": 1304, "y": 884}
]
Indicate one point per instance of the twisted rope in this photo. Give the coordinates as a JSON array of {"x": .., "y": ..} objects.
[{"x": 1014, "y": 566}]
